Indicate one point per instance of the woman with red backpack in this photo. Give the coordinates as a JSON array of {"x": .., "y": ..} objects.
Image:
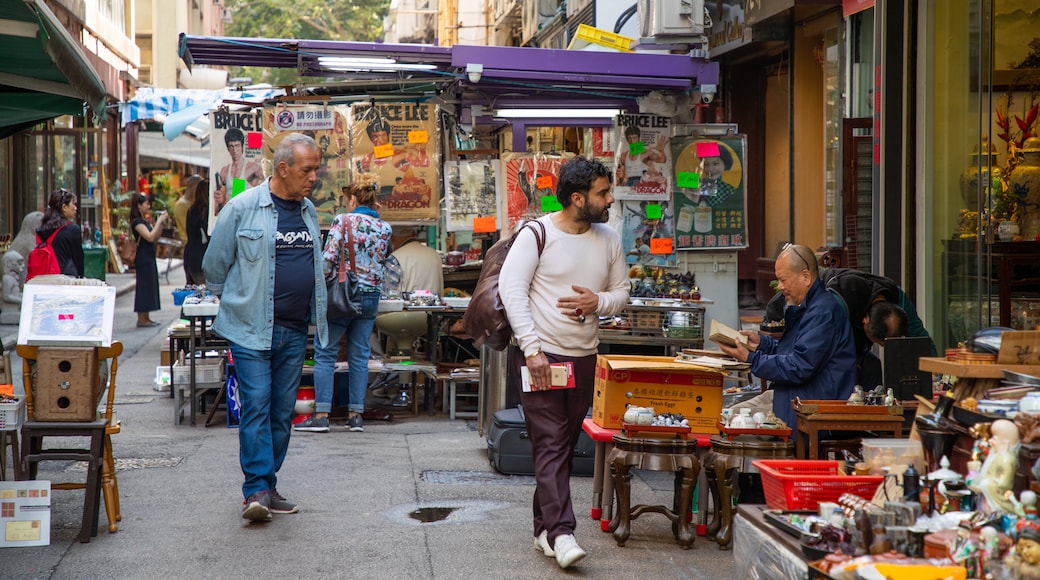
[{"x": 59, "y": 220}]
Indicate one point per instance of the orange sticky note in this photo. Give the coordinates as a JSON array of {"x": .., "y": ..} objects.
[
  {"x": 418, "y": 136},
  {"x": 544, "y": 181},
  {"x": 382, "y": 151},
  {"x": 484, "y": 224},
  {"x": 660, "y": 245},
  {"x": 708, "y": 149},
  {"x": 7, "y": 390}
]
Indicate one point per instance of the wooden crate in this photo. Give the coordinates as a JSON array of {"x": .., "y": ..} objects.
[{"x": 67, "y": 384}]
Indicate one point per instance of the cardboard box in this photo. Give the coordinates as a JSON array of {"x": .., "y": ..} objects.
[
  {"x": 658, "y": 382},
  {"x": 1019, "y": 347}
]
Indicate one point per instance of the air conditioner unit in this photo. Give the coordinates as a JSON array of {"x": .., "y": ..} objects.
[{"x": 671, "y": 18}]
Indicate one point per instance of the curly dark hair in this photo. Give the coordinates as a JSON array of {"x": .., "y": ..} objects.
[{"x": 577, "y": 175}]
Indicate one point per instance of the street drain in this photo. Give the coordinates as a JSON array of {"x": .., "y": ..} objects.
[
  {"x": 125, "y": 464},
  {"x": 475, "y": 477},
  {"x": 431, "y": 514}
]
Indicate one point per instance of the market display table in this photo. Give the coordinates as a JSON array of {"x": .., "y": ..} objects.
[
  {"x": 761, "y": 550},
  {"x": 728, "y": 456},
  {"x": 973, "y": 380},
  {"x": 676, "y": 454},
  {"x": 199, "y": 338},
  {"x": 435, "y": 315},
  {"x": 811, "y": 417}
]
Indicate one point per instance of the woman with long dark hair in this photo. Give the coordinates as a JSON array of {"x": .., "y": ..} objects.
[
  {"x": 196, "y": 225},
  {"x": 60, "y": 217},
  {"x": 146, "y": 297}
]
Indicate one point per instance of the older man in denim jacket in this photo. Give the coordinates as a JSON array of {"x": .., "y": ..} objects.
[{"x": 264, "y": 261}]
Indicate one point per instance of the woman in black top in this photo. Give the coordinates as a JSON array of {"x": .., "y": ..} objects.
[
  {"x": 146, "y": 297},
  {"x": 197, "y": 226},
  {"x": 60, "y": 217}
]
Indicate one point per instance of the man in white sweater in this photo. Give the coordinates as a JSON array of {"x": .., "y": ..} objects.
[{"x": 553, "y": 302}]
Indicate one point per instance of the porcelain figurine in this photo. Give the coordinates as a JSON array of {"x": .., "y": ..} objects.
[
  {"x": 997, "y": 474},
  {"x": 857, "y": 397},
  {"x": 13, "y": 282}
]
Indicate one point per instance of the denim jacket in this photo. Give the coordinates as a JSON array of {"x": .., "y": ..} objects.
[{"x": 239, "y": 267}]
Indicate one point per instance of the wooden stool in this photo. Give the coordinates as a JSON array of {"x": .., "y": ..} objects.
[
  {"x": 9, "y": 438},
  {"x": 809, "y": 427},
  {"x": 678, "y": 455},
  {"x": 33, "y": 433},
  {"x": 724, "y": 462}
]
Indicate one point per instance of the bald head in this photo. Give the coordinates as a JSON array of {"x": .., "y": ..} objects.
[{"x": 796, "y": 270}]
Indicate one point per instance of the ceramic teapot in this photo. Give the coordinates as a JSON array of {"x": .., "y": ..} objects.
[{"x": 639, "y": 415}]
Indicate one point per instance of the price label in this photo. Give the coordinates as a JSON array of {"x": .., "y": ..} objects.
[
  {"x": 636, "y": 148},
  {"x": 653, "y": 211},
  {"x": 418, "y": 136},
  {"x": 707, "y": 149},
  {"x": 238, "y": 185},
  {"x": 660, "y": 245},
  {"x": 254, "y": 139},
  {"x": 484, "y": 224},
  {"x": 688, "y": 179},
  {"x": 550, "y": 203},
  {"x": 544, "y": 182},
  {"x": 383, "y": 151}
]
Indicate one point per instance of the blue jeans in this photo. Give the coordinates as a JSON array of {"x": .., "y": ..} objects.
[
  {"x": 267, "y": 383},
  {"x": 358, "y": 331}
]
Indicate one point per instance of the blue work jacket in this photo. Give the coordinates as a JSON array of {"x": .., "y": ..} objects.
[{"x": 815, "y": 358}]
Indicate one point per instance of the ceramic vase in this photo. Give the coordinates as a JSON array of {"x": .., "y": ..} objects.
[
  {"x": 984, "y": 166},
  {"x": 1025, "y": 182},
  {"x": 304, "y": 400}
]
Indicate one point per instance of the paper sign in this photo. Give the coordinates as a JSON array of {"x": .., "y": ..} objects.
[
  {"x": 418, "y": 136},
  {"x": 254, "y": 139},
  {"x": 660, "y": 245},
  {"x": 653, "y": 211},
  {"x": 383, "y": 151},
  {"x": 707, "y": 149},
  {"x": 636, "y": 148},
  {"x": 688, "y": 179},
  {"x": 483, "y": 225},
  {"x": 544, "y": 182},
  {"x": 238, "y": 185},
  {"x": 550, "y": 203}
]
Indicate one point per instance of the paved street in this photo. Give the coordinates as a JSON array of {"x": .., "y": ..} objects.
[{"x": 180, "y": 494}]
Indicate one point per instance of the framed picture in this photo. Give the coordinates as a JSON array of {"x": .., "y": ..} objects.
[
  {"x": 57, "y": 315},
  {"x": 709, "y": 199}
]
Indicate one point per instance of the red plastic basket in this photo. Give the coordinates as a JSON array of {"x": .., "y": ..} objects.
[{"x": 791, "y": 484}]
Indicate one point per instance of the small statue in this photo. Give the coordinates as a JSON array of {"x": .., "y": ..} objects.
[
  {"x": 997, "y": 474},
  {"x": 13, "y": 265},
  {"x": 857, "y": 397},
  {"x": 890, "y": 398},
  {"x": 1023, "y": 561},
  {"x": 25, "y": 241}
]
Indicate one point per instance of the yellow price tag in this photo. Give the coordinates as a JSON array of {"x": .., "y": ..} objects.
[
  {"x": 383, "y": 151},
  {"x": 418, "y": 136}
]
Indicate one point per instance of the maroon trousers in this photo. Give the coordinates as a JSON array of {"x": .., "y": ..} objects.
[{"x": 553, "y": 419}]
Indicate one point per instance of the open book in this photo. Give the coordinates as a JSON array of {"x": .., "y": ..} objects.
[{"x": 723, "y": 334}]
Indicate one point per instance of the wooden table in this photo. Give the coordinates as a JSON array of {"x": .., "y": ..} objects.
[{"x": 808, "y": 427}]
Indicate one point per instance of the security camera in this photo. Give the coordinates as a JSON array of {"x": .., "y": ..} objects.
[
  {"x": 708, "y": 93},
  {"x": 474, "y": 71}
]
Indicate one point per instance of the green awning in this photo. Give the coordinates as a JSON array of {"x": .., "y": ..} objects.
[{"x": 45, "y": 73}]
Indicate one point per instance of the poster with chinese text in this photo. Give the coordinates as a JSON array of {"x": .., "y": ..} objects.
[
  {"x": 530, "y": 185},
  {"x": 396, "y": 147},
  {"x": 710, "y": 200},
  {"x": 473, "y": 190},
  {"x": 327, "y": 125},
  {"x": 642, "y": 157}
]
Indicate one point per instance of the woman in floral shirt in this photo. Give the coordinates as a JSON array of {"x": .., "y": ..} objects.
[{"x": 371, "y": 250}]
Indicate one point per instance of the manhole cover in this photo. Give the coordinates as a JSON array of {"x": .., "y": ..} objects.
[{"x": 476, "y": 477}]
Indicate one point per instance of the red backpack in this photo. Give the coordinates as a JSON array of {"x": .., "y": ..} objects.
[{"x": 42, "y": 260}]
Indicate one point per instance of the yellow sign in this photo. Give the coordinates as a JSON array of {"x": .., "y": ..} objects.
[
  {"x": 383, "y": 151},
  {"x": 418, "y": 136}
]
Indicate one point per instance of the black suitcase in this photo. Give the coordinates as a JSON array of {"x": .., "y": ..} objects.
[{"x": 509, "y": 448}]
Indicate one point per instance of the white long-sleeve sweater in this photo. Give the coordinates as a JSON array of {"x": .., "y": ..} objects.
[{"x": 530, "y": 286}]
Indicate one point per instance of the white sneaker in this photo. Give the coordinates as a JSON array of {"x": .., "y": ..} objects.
[
  {"x": 567, "y": 551},
  {"x": 541, "y": 543}
]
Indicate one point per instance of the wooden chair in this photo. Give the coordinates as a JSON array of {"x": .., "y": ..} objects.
[{"x": 101, "y": 470}]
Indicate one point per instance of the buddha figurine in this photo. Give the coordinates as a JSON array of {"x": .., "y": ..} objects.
[
  {"x": 13, "y": 265},
  {"x": 997, "y": 474}
]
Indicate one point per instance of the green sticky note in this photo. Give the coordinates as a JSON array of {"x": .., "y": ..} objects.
[
  {"x": 688, "y": 179},
  {"x": 550, "y": 203},
  {"x": 238, "y": 185},
  {"x": 636, "y": 148},
  {"x": 406, "y": 362},
  {"x": 653, "y": 211}
]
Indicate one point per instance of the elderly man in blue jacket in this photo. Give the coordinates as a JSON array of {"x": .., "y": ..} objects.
[{"x": 816, "y": 357}]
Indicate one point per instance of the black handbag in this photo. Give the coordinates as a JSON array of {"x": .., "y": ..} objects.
[{"x": 344, "y": 291}]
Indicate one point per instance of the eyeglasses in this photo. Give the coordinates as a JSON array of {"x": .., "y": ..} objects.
[{"x": 794, "y": 250}]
